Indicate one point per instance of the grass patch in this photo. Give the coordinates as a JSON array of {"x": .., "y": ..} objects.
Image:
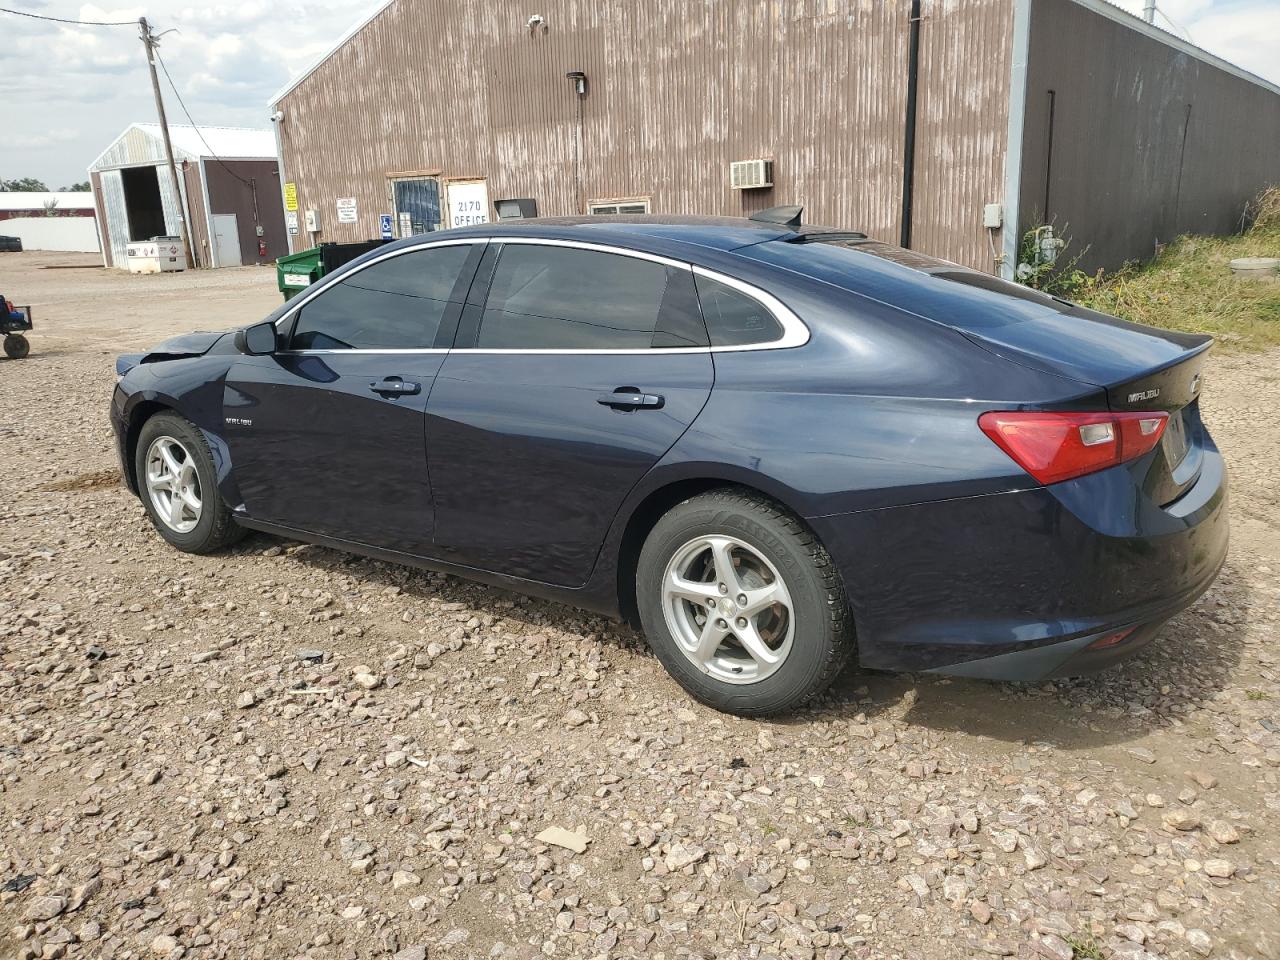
[
  {"x": 1084, "y": 948},
  {"x": 1190, "y": 287}
]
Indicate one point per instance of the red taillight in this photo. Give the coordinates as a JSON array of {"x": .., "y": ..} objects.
[{"x": 1054, "y": 446}]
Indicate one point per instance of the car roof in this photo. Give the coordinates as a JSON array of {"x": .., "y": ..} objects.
[{"x": 639, "y": 231}]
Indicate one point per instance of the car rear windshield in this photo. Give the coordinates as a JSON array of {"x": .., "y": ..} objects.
[{"x": 894, "y": 276}]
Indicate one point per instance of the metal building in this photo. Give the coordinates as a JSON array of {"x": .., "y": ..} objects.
[
  {"x": 230, "y": 183},
  {"x": 951, "y": 125}
]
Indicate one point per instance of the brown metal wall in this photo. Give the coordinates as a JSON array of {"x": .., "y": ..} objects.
[
  {"x": 1120, "y": 180},
  {"x": 231, "y": 185},
  {"x": 962, "y": 127},
  {"x": 197, "y": 226},
  {"x": 676, "y": 90},
  {"x": 100, "y": 211}
]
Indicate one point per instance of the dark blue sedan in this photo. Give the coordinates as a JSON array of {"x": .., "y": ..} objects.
[{"x": 776, "y": 448}]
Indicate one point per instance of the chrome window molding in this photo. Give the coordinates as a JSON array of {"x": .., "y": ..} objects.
[{"x": 794, "y": 331}]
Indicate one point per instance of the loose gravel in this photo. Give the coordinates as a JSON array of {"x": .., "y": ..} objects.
[{"x": 284, "y": 751}]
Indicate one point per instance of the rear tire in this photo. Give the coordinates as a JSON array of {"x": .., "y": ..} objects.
[
  {"x": 742, "y": 604},
  {"x": 16, "y": 346},
  {"x": 178, "y": 486}
]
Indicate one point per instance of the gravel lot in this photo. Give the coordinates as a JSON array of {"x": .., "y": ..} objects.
[{"x": 286, "y": 751}]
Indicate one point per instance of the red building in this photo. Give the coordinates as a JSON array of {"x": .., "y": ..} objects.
[{"x": 14, "y": 204}]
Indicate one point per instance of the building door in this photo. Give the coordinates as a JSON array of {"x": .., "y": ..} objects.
[
  {"x": 226, "y": 240},
  {"x": 417, "y": 205}
]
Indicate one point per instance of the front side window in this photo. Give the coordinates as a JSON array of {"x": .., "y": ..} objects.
[
  {"x": 733, "y": 318},
  {"x": 396, "y": 304},
  {"x": 567, "y": 298}
]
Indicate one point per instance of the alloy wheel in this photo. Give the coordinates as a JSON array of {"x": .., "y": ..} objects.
[
  {"x": 173, "y": 484},
  {"x": 728, "y": 609}
]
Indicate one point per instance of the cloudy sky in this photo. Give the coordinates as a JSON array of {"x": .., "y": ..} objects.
[{"x": 69, "y": 91}]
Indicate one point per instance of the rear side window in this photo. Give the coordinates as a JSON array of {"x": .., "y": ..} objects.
[
  {"x": 393, "y": 305},
  {"x": 567, "y": 298},
  {"x": 733, "y": 318}
]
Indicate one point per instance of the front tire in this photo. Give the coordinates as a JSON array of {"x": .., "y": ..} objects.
[
  {"x": 742, "y": 604},
  {"x": 179, "y": 488}
]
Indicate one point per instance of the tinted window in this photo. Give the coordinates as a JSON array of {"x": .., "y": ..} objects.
[
  {"x": 734, "y": 319},
  {"x": 563, "y": 298},
  {"x": 394, "y": 305}
]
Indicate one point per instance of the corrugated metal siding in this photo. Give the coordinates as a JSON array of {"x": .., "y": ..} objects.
[
  {"x": 1120, "y": 181},
  {"x": 962, "y": 127},
  {"x": 172, "y": 213},
  {"x": 116, "y": 224},
  {"x": 100, "y": 215},
  {"x": 676, "y": 90},
  {"x": 198, "y": 226},
  {"x": 134, "y": 148}
]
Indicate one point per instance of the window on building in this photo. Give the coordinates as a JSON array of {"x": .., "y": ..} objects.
[
  {"x": 733, "y": 318},
  {"x": 604, "y": 207},
  {"x": 396, "y": 304},
  {"x": 563, "y": 298}
]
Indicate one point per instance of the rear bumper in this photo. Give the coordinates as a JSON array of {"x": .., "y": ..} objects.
[{"x": 1015, "y": 586}]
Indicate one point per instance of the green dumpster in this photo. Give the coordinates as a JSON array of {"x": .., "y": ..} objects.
[{"x": 297, "y": 271}]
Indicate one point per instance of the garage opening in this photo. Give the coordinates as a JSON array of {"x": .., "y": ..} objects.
[{"x": 142, "y": 203}]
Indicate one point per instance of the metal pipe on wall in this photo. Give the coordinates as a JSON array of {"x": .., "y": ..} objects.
[{"x": 909, "y": 134}]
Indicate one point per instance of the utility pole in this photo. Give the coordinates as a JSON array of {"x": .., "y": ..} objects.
[{"x": 149, "y": 42}]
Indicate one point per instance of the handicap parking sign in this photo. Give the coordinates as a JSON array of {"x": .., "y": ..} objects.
[{"x": 386, "y": 226}]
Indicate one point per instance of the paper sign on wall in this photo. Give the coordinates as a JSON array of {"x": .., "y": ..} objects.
[
  {"x": 291, "y": 221},
  {"x": 291, "y": 197},
  {"x": 468, "y": 202},
  {"x": 347, "y": 210}
]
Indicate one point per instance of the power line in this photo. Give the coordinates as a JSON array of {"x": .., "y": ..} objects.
[
  {"x": 199, "y": 133},
  {"x": 251, "y": 183},
  {"x": 79, "y": 23}
]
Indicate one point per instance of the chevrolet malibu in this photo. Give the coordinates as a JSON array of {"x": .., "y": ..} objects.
[{"x": 775, "y": 448}]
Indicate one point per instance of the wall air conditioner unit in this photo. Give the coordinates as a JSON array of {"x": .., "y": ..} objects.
[{"x": 750, "y": 174}]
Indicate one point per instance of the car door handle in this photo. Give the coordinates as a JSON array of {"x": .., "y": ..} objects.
[
  {"x": 394, "y": 386},
  {"x": 631, "y": 400}
]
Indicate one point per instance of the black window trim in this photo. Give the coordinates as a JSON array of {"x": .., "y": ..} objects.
[{"x": 794, "y": 331}]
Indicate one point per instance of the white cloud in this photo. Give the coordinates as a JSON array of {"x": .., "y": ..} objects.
[
  {"x": 70, "y": 90},
  {"x": 1245, "y": 32}
]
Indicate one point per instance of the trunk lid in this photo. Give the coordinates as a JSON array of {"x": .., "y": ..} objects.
[
  {"x": 1138, "y": 368},
  {"x": 1120, "y": 366}
]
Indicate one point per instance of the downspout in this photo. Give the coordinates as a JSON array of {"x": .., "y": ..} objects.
[
  {"x": 909, "y": 134},
  {"x": 1013, "y": 138}
]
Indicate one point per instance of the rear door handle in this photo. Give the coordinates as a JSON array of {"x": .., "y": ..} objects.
[
  {"x": 394, "y": 387},
  {"x": 629, "y": 400}
]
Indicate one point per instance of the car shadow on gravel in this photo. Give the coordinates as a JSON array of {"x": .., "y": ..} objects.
[
  {"x": 424, "y": 585},
  {"x": 1192, "y": 660}
]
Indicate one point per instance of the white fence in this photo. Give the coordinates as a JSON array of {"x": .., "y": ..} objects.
[{"x": 54, "y": 233}]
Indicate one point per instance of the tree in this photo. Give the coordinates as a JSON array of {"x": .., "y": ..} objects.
[
  {"x": 25, "y": 185},
  {"x": 77, "y": 188}
]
